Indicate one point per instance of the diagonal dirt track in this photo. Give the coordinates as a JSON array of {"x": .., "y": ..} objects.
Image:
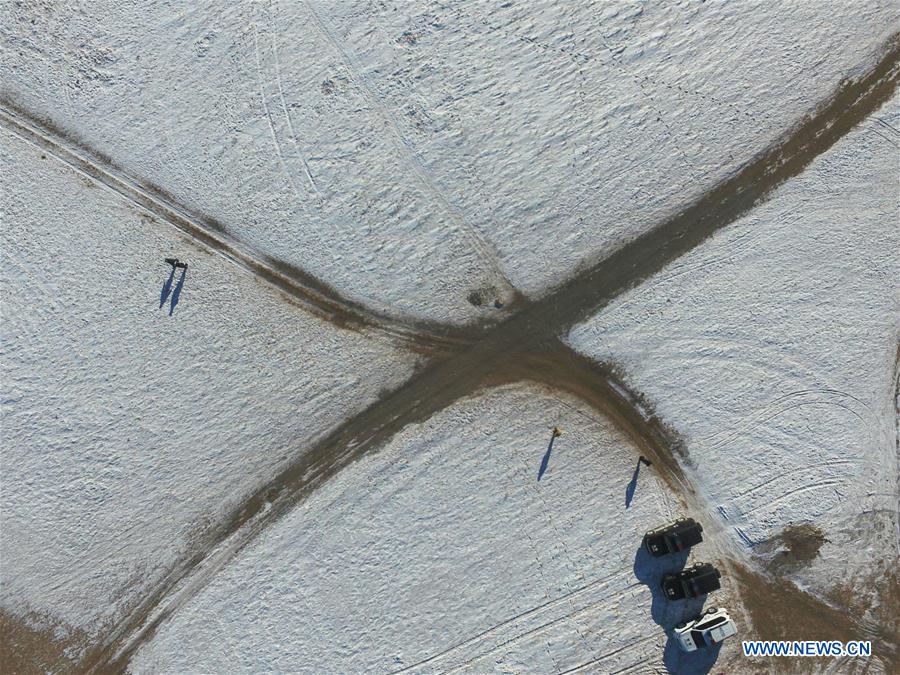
[
  {"x": 525, "y": 346},
  {"x": 299, "y": 286}
]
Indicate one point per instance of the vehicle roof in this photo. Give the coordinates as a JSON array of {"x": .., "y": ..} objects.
[
  {"x": 703, "y": 578},
  {"x": 699, "y": 569},
  {"x": 713, "y": 621},
  {"x": 723, "y": 631},
  {"x": 679, "y": 524},
  {"x": 689, "y": 533}
]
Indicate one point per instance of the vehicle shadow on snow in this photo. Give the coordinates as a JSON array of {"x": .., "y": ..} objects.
[{"x": 649, "y": 571}]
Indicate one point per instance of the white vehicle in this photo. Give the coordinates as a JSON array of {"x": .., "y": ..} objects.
[{"x": 707, "y": 630}]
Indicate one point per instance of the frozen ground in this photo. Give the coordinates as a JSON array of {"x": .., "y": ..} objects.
[
  {"x": 445, "y": 551},
  {"x": 425, "y": 160},
  {"x": 414, "y": 155},
  {"x": 126, "y": 431},
  {"x": 772, "y": 349}
]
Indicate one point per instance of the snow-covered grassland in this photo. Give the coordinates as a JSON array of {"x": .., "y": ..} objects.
[
  {"x": 427, "y": 159},
  {"x": 412, "y": 153},
  {"x": 126, "y": 430},
  {"x": 772, "y": 349},
  {"x": 444, "y": 550}
]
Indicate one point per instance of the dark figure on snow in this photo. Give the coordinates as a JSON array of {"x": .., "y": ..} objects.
[{"x": 167, "y": 284}]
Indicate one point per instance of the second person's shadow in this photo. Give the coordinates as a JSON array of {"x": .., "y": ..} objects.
[
  {"x": 176, "y": 294},
  {"x": 166, "y": 288}
]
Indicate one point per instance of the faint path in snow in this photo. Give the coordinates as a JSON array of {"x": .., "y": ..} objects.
[
  {"x": 291, "y": 136},
  {"x": 313, "y": 294},
  {"x": 478, "y": 241},
  {"x": 526, "y": 624},
  {"x": 268, "y": 114},
  {"x": 525, "y": 346},
  {"x": 603, "y": 657}
]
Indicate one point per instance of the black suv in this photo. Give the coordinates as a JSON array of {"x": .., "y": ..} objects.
[
  {"x": 690, "y": 582},
  {"x": 672, "y": 538}
]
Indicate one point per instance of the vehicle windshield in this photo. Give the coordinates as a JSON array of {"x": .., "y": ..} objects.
[{"x": 712, "y": 623}]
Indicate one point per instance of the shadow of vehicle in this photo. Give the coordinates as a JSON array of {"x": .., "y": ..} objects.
[
  {"x": 176, "y": 294},
  {"x": 699, "y": 662},
  {"x": 649, "y": 571}
]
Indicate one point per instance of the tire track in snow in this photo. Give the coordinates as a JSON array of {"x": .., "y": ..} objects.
[
  {"x": 816, "y": 485},
  {"x": 539, "y": 630},
  {"x": 292, "y": 136},
  {"x": 535, "y": 615},
  {"x": 793, "y": 401},
  {"x": 268, "y": 115},
  {"x": 560, "y": 544},
  {"x": 528, "y": 333},
  {"x": 313, "y": 294},
  {"x": 607, "y": 655},
  {"x": 479, "y": 242},
  {"x": 784, "y": 476}
]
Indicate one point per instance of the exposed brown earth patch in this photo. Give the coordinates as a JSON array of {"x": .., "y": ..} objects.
[
  {"x": 874, "y": 602},
  {"x": 780, "y": 610},
  {"x": 796, "y": 546},
  {"x": 29, "y": 648}
]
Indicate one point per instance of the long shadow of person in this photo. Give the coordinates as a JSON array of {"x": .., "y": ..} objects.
[
  {"x": 632, "y": 486},
  {"x": 666, "y": 613},
  {"x": 166, "y": 288},
  {"x": 176, "y": 294},
  {"x": 546, "y": 460}
]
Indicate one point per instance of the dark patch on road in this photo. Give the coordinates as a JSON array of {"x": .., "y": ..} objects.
[{"x": 487, "y": 295}]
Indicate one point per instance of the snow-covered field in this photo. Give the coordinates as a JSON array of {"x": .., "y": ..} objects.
[
  {"x": 431, "y": 161},
  {"x": 412, "y": 154},
  {"x": 772, "y": 349},
  {"x": 126, "y": 430},
  {"x": 445, "y": 551}
]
